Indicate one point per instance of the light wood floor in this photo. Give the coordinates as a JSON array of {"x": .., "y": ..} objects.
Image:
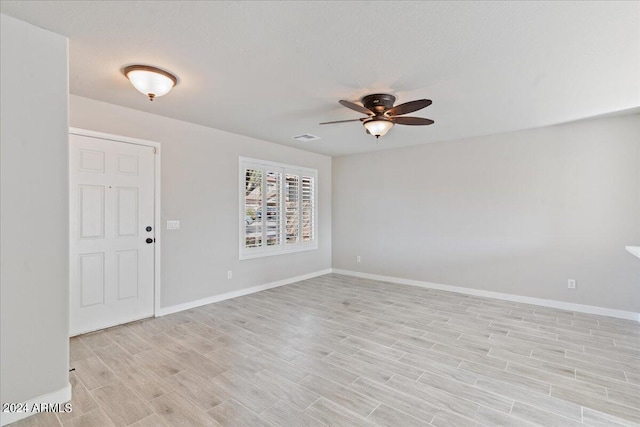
[{"x": 341, "y": 351}]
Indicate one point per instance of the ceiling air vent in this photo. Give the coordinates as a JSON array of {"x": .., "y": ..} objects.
[{"x": 306, "y": 137}]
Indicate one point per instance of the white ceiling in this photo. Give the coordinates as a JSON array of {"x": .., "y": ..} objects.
[{"x": 272, "y": 70}]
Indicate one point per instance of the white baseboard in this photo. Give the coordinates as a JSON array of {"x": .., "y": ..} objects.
[
  {"x": 590, "y": 309},
  {"x": 216, "y": 298},
  {"x": 59, "y": 396}
]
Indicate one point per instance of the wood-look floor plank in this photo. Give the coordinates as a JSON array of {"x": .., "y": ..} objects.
[
  {"x": 365, "y": 344},
  {"x": 358, "y": 368},
  {"x": 284, "y": 415},
  {"x": 93, "y": 372},
  {"x": 447, "y": 419},
  {"x": 555, "y": 379},
  {"x": 232, "y": 413},
  {"x": 434, "y": 395},
  {"x": 94, "y": 418},
  {"x": 177, "y": 411},
  {"x": 159, "y": 363},
  {"x": 339, "y": 350},
  {"x": 427, "y": 353},
  {"x": 541, "y": 417},
  {"x": 250, "y": 395},
  {"x": 153, "y": 420},
  {"x": 81, "y": 400},
  {"x": 333, "y": 414},
  {"x": 350, "y": 399},
  {"x": 473, "y": 394},
  {"x": 200, "y": 390},
  {"x": 507, "y": 377},
  {"x": 285, "y": 390},
  {"x": 45, "y": 419},
  {"x": 562, "y": 360},
  {"x": 128, "y": 340},
  {"x": 143, "y": 382},
  {"x": 265, "y": 361},
  {"x": 78, "y": 350},
  {"x": 115, "y": 357},
  {"x": 540, "y": 400},
  {"x": 489, "y": 417},
  {"x": 408, "y": 404},
  {"x": 96, "y": 340},
  {"x": 594, "y": 418},
  {"x": 455, "y": 373},
  {"x": 382, "y": 363},
  {"x": 389, "y": 417},
  {"x": 326, "y": 369},
  {"x": 594, "y": 402},
  {"x": 121, "y": 404}
]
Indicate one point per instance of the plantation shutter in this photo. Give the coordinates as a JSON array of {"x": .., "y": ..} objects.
[
  {"x": 272, "y": 209},
  {"x": 253, "y": 205},
  {"x": 292, "y": 198},
  {"x": 307, "y": 210},
  {"x": 278, "y": 209}
]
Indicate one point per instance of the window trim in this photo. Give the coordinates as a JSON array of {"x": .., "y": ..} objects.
[{"x": 281, "y": 249}]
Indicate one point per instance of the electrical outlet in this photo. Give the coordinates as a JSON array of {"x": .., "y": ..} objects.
[
  {"x": 173, "y": 225},
  {"x": 571, "y": 284},
  {"x": 358, "y": 258},
  {"x": 229, "y": 274}
]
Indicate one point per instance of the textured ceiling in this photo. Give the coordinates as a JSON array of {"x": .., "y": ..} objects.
[{"x": 272, "y": 70}]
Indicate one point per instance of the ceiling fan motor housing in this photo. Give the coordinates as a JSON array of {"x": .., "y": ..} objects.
[{"x": 378, "y": 102}]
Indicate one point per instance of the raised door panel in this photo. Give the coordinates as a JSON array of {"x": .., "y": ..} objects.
[
  {"x": 127, "y": 211},
  {"x": 127, "y": 165},
  {"x": 91, "y": 279},
  {"x": 91, "y": 161},
  {"x": 91, "y": 211},
  {"x": 127, "y": 274}
]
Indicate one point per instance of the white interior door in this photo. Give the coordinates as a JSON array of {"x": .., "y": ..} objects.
[{"x": 112, "y": 232}]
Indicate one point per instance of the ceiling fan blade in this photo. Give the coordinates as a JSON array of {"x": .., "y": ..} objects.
[
  {"x": 413, "y": 121},
  {"x": 356, "y": 107},
  {"x": 341, "y": 121},
  {"x": 408, "y": 107}
]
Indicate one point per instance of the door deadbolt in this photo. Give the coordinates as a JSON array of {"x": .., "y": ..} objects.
[{"x": 148, "y": 228}]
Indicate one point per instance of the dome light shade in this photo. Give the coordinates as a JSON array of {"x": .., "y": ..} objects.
[
  {"x": 151, "y": 81},
  {"x": 378, "y": 126}
]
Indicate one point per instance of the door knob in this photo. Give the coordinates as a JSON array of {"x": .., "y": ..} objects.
[{"x": 149, "y": 240}]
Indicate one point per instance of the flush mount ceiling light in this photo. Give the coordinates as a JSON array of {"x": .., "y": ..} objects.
[
  {"x": 382, "y": 115},
  {"x": 151, "y": 81}
]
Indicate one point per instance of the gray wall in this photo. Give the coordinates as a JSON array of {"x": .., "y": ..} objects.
[
  {"x": 518, "y": 213},
  {"x": 34, "y": 254},
  {"x": 200, "y": 188}
]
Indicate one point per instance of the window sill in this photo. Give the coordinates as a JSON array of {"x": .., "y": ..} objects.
[
  {"x": 635, "y": 250},
  {"x": 244, "y": 256}
]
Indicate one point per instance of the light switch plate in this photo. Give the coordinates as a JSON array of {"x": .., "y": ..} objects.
[{"x": 173, "y": 225}]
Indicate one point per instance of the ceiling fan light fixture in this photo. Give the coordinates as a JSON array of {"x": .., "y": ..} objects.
[
  {"x": 149, "y": 80},
  {"x": 382, "y": 114},
  {"x": 378, "y": 127}
]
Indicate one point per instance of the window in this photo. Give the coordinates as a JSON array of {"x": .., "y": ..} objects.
[{"x": 278, "y": 208}]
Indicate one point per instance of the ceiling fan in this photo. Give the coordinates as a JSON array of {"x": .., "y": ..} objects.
[{"x": 382, "y": 115}]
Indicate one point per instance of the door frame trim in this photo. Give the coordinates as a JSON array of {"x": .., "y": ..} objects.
[{"x": 156, "y": 213}]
